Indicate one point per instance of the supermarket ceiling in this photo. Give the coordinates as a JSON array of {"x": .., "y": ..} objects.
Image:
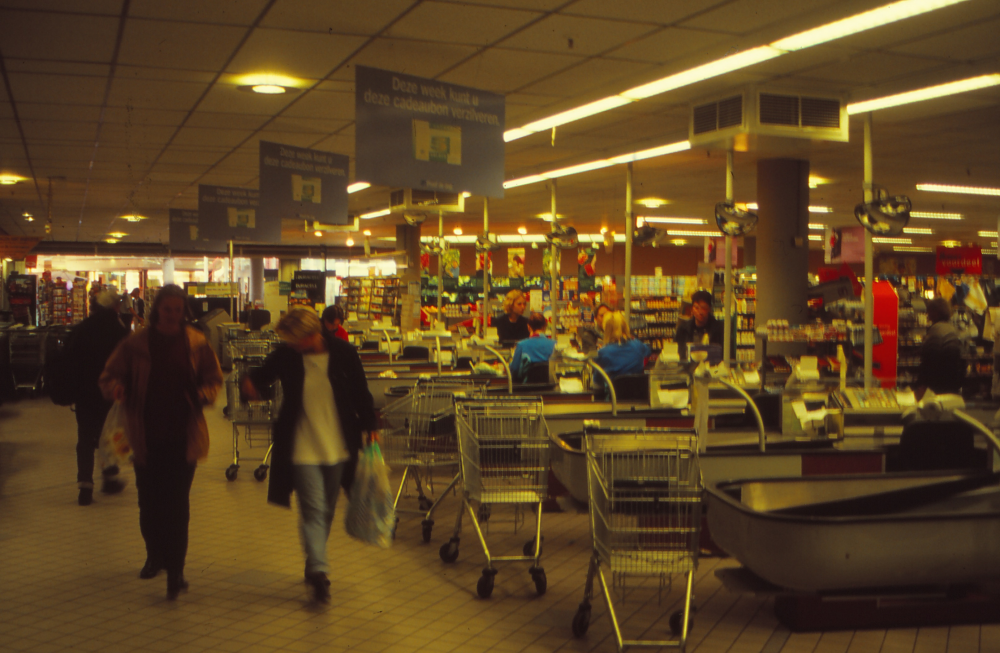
[{"x": 115, "y": 107}]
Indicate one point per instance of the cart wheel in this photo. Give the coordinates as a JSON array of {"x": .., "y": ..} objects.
[
  {"x": 485, "y": 585},
  {"x": 231, "y": 472},
  {"x": 529, "y": 547},
  {"x": 427, "y": 524},
  {"x": 484, "y": 512},
  {"x": 449, "y": 550},
  {"x": 581, "y": 621},
  {"x": 225, "y": 411},
  {"x": 541, "y": 583},
  {"x": 425, "y": 504},
  {"x": 260, "y": 473},
  {"x": 677, "y": 618}
]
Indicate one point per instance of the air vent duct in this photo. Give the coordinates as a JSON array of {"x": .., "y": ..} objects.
[{"x": 755, "y": 114}]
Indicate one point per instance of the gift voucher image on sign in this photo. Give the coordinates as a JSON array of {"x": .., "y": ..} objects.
[
  {"x": 297, "y": 183},
  {"x": 227, "y": 213},
  {"x": 420, "y": 133},
  {"x": 186, "y": 233}
]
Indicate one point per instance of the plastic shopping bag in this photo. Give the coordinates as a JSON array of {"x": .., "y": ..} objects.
[
  {"x": 114, "y": 445},
  {"x": 370, "y": 515}
]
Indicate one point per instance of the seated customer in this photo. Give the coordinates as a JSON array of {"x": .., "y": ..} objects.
[
  {"x": 591, "y": 336},
  {"x": 701, "y": 324},
  {"x": 621, "y": 354},
  {"x": 333, "y": 320},
  {"x": 537, "y": 348}
]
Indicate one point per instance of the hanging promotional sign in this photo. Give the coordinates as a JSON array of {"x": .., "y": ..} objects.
[
  {"x": 845, "y": 245},
  {"x": 515, "y": 262},
  {"x": 959, "y": 260},
  {"x": 716, "y": 251},
  {"x": 421, "y": 133},
  {"x": 226, "y": 213},
  {"x": 586, "y": 260},
  {"x": 185, "y": 233},
  {"x": 451, "y": 259},
  {"x": 299, "y": 183}
]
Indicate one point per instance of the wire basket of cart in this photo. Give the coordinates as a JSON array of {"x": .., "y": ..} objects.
[
  {"x": 252, "y": 419},
  {"x": 27, "y": 357},
  {"x": 645, "y": 492},
  {"x": 418, "y": 433},
  {"x": 504, "y": 453}
]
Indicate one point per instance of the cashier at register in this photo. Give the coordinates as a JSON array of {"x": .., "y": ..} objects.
[
  {"x": 942, "y": 368},
  {"x": 535, "y": 349},
  {"x": 702, "y": 323}
]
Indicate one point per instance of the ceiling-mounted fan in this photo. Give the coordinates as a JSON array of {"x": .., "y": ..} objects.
[
  {"x": 734, "y": 221},
  {"x": 647, "y": 235},
  {"x": 885, "y": 215},
  {"x": 563, "y": 237},
  {"x": 486, "y": 242}
]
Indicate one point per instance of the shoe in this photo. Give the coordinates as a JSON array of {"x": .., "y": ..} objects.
[
  {"x": 321, "y": 586},
  {"x": 112, "y": 486},
  {"x": 150, "y": 569},
  {"x": 86, "y": 496},
  {"x": 175, "y": 584}
]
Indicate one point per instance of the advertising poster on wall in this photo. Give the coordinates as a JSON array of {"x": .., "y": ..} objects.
[
  {"x": 484, "y": 260},
  {"x": 421, "y": 133},
  {"x": 451, "y": 259},
  {"x": 515, "y": 262},
  {"x": 299, "y": 183},
  {"x": 228, "y": 213},
  {"x": 845, "y": 245},
  {"x": 586, "y": 259},
  {"x": 186, "y": 234}
]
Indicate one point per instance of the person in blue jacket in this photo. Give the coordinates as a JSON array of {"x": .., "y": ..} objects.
[
  {"x": 537, "y": 348},
  {"x": 621, "y": 354}
]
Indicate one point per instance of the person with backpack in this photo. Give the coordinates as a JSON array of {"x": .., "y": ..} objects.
[{"x": 88, "y": 347}]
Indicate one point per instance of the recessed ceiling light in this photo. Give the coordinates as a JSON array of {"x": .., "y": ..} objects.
[
  {"x": 367, "y": 232},
  {"x": 10, "y": 180},
  {"x": 686, "y": 232},
  {"x": 350, "y": 242},
  {"x": 750, "y": 206},
  {"x": 917, "y": 230},
  {"x": 118, "y": 234},
  {"x": 820, "y": 209},
  {"x": 667, "y": 220},
  {"x": 919, "y": 95},
  {"x": 374, "y": 214},
  {"x": 547, "y": 217},
  {"x": 951, "y": 243},
  {"x": 111, "y": 241},
  {"x": 457, "y": 231},
  {"x": 910, "y": 248},
  {"x": 965, "y": 190},
  {"x": 133, "y": 217},
  {"x": 987, "y": 234},
  {"x": 318, "y": 233},
  {"x": 815, "y": 182},
  {"x": 930, "y": 215},
  {"x": 466, "y": 194},
  {"x": 522, "y": 230},
  {"x": 678, "y": 241},
  {"x": 892, "y": 241},
  {"x": 652, "y": 202},
  {"x": 268, "y": 89},
  {"x": 358, "y": 185}
]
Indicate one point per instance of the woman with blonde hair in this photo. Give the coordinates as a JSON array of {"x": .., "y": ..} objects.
[
  {"x": 621, "y": 354},
  {"x": 325, "y": 408},
  {"x": 514, "y": 326}
]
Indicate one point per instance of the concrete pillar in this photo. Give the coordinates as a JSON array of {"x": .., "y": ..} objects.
[
  {"x": 782, "y": 247},
  {"x": 287, "y": 269},
  {"x": 168, "y": 271},
  {"x": 749, "y": 250},
  {"x": 256, "y": 279}
]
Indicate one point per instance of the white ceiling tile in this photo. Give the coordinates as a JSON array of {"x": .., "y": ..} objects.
[
  {"x": 533, "y": 5},
  {"x": 223, "y": 98},
  {"x": 215, "y": 120},
  {"x": 176, "y": 158},
  {"x": 37, "y": 35},
  {"x": 136, "y": 135},
  {"x": 451, "y": 23},
  {"x": 312, "y": 126},
  {"x": 184, "y": 45},
  {"x": 420, "y": 58},
  {"x": 296, "y": 54},
  {"x": 871, "y": 68},
  {"x": 37, "y": 131},
  {"x": 57, "y": 67},
  {"x": 671, "y": 44},
  {"x": 144, "y": 93},
  {"x": 576, "y": 35},
  {"x": 965, "y": 44},
  {"x": 592, "y": 79},
  {"x": 323, "y": 106},
  {"x": 223, "y": 12},
  {"x": 57, "y": 89},
  {"x": 645, "y": 11},
  {"x": 502, "y": 71},
  {"x": 334, "y": 16},
  {"x": 131, "y": 115},
  {"x": 103, "y": 7},
  {"x": 210, "y": 139},
  {"x": 746, "y": 16}
]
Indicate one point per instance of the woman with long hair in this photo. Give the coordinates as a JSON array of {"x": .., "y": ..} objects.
[
  {"x": 164, "y": 375},
  {"x": 514, "y": 326},
  {"x": 621, "y": 354}
]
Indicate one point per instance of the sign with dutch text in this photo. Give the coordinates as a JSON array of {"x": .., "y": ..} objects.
[
  {"x": 226, "y": 213},
  {"x": 302, "y": 184},
  {"x": 959, "y": 260},
  {"x": 186, "y": 234},
  {"x": 421, "y": 133}
]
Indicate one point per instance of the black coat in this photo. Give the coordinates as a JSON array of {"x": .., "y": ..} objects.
[
  {"x": 88, "y": 347},
  {"x": 355, "y": 408}
]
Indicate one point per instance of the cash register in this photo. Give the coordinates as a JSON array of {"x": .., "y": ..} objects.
[{"x": 874, "y": 413}]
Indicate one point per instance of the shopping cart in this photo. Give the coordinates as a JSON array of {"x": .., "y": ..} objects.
[
  {"x": 418, "y": 431},
  {"x": 27, "y": 358},
  {"x": 645, "y": 518},
  {"x": 251, "y": 420},
  {"x": 504, "y": 449}
]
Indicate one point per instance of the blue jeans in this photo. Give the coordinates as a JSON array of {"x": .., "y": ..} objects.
[{"x": 318, "y": 487}]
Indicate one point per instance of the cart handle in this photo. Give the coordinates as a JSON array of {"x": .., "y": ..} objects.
[
  {"x": 611, "y": 387},
  {"x": 991, "y": 437},
  {"x": 753, "y": 407},
  {"x": 506, "y": 367}
]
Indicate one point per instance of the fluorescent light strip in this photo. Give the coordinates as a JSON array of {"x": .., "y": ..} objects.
[
  {"x": 989, "y": 252},
  {"x": 600, "y": 163},
  {"x": 905, "y": 248},
  {"x": 655, "y": 219},
  {"x": 965, "y": 190},
  {"x": 816, "y": 225},
  {"x": 892, "y": 241},
  {"x": 855, "y": 24},
  {"x": 687, "y": 232},
  {"x": 815, "y": 237},
  {"x": 358, "y": 185},
  {"x": 987, "y": 234},
  {"x": 820, "y": 209},
  {"x": 919, "y": 95},
  {"x": 917, "y": 230},
  {"x": 930, "y": 215},
  {"x": 374, "y": 214}
]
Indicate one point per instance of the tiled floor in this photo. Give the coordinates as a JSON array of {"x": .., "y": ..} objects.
[{"x": 69, "y": 577}]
